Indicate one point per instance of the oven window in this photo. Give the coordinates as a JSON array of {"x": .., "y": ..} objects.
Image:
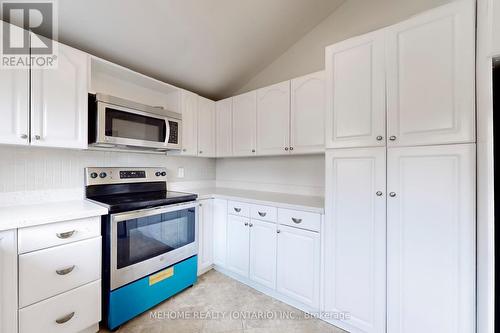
[
  {"x": 147, "y": 237},
  {"x": 133, "y": 126}
]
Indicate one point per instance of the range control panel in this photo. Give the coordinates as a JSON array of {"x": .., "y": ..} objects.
[{"x": 101, "y": 176}]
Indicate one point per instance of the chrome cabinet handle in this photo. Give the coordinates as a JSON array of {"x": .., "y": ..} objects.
[
  {"x": 64, "y": 235},
  {"x": 392, "y": 138},
  {"x": 65, "y": 271},
  {"x": 237, "y": 210},
  {"x": 379, "y": 138},
  {"x": 246, "y": 223},
  {"x": 24, "y": 136},
  {"x": 379, "y": 193},
  {"x": 392, "y": 194},
  {"x": 262, "y": 214},
  {"x": 296, "y": 220},
  {"x": 66, "y": 318}
]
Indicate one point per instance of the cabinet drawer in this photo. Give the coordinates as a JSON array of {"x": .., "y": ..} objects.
[
  {"x": 299, "y": 219},
  {"x": 265, "y": 213},
  {"x": 46, "y": 273},
  {"x": 43, "y": 236},
  {"x": 238, "y": 208},
  {"x": 70, "y": 312}
]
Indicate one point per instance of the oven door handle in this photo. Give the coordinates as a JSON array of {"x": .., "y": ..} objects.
[{"x": 153, "y": 211}]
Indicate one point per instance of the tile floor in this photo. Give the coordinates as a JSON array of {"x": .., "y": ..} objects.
[{"x": 218, "y": 295}]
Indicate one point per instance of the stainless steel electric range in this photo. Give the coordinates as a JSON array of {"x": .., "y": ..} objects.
[{"x": 150, "y": 239}]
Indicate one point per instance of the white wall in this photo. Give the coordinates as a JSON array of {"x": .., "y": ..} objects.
[
  {"x": 354, "y": 17},
  {"x": 288, "y": 174},
  {"x": 42, "y": 170}
]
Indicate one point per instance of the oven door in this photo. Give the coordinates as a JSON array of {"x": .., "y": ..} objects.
[
  {"x": 145, "y": 241},
  {"x": 119, "y": 125}
]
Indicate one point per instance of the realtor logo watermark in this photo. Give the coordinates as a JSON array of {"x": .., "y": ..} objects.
[{"x": 28, "y": 41}]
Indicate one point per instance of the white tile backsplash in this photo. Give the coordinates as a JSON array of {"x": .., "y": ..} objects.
[{"x": 40, "y": 169}]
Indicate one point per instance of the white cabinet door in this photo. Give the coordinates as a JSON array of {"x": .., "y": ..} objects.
[
  {"x": 299, "y": 265},
  {"x": 355, "y": 90},
  {"x": 206, "y": 127},
  {"x": 273, "y": 119},
  {"x": 8, "y": 281},
  {"x": 430, "y": 77},
  {"x": 224, "y": 131},
  {"x": 244, "y": 124},
  {"x": 355, "y": 241},
  {"x": 189, "y": 102},
  {"x": 238, "y": 244},
  {"x": 431, "y": 239},
  {"x": 263, "y": 253},
  {"x": 205, "y": 235},
  {"x": 220, "y": 231},
  {"x": 59, "y": 101},
  {"x": 307, "y": 114}
]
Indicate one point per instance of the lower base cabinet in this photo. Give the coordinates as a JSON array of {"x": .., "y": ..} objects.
[
  {"x": 298, "y": 265},
  {"x": 8, "y": 281},
  {"x": 238, "y": 245},
  {"x": 219, "y": 231},
  {"x": 263, "y": 253}
]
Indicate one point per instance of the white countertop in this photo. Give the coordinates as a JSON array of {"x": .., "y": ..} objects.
[
  {"x": 300, "y": 202},
  {"x": 20, "y": 216}
]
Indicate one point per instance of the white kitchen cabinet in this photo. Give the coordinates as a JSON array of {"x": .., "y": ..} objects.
[
  {"x": 224, "y": 133},
  {"x": 220, "y": 231},
  {"x": 355, "y": 84},
  {"x": 273, "y": 119},
  {"x": 8, "y": 281},
  {"x": 430, "y": 77},
  {"x": 205, "y": 236},
  {"x": 494, "y": 6},
  {"x": 206, "y": 127},
  {"x": 307, "y": 114},
  {"x": 355, "y": 238},
  {"x": 59, "y": 101},
  {"x": 14, "y": 108},
  {"x": 298, "y": 265},
  {"x": 244, "y": 124},
  {"x": 431, "y": 239},
  {"x": 189, "y": 106},
  {"x": 263, "y": 253},
  {"x": 238, "y": 245}
]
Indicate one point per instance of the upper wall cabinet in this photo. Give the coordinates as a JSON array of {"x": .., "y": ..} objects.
[
  {"x": 14, "y": 109},
  {"x": 430, "y": 77},
  {"x": 273, "y": 114},
  {"x": 206, "y": 127},
  {"x": 356, "y": 92},
  {"x": 307, "y": 114},
  {"x": 189, "y": 107},
  {"x": 223, "y": 126},
  {"x": 59, "y": 101},
  {"x": 244, "y": 124}
]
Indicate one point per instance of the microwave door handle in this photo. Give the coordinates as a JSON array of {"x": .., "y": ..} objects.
[{"x": 167, "y": 131}]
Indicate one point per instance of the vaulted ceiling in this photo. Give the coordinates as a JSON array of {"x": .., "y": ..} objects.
[{"x": 212, "y": 47}]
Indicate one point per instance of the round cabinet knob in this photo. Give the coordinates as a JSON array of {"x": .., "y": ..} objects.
[
  {"x": 37, "y": 137},
  {"x": 379, "y": 193},
  {"x": 380, "y": 137},
  {"x": 93, "y": 175},
  {"x": 24, "y": 136},
  {"x": 392, "y": 138},
  {"x": 163, "y": 173},
  {"x": 253, "y": 150},
  {"x": 291, "y": 148},
  {"x": 184, "y": 150},
  {"x": 278, "y": 231},
  {"x": 250, "y": 225},
  {"x": 392, "y": 194},
  {"x": 201, "y": 152},
  {"x": 286, "y": 148},
  {"x": 103, "y": 175},
  {"x": 246, "y": 223}
]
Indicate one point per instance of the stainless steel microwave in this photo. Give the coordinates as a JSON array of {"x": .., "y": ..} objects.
[{"x": 116, "y": 122}]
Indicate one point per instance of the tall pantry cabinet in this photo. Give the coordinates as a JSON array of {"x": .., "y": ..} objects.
[{"x": 400, "y": 176}]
